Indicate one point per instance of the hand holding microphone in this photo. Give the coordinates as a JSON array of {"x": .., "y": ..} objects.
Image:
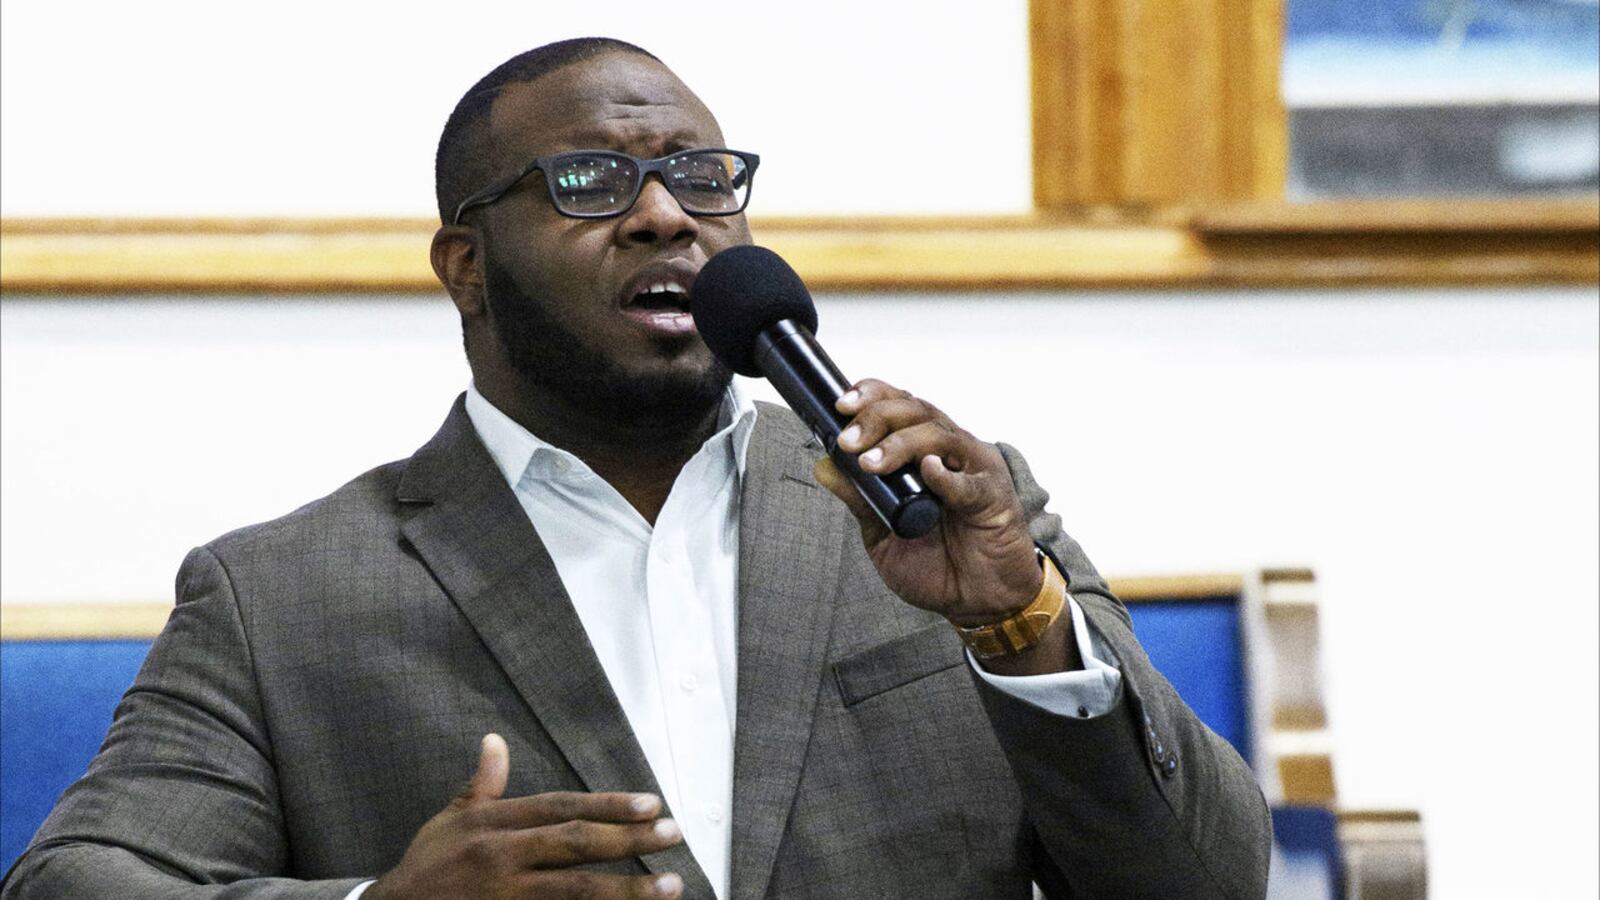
[
  {"x": 757, "y": 317},
  {"x": 939, "y": 514}
]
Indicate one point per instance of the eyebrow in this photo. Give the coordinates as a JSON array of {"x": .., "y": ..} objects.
[{"x": 665, "y": 143}]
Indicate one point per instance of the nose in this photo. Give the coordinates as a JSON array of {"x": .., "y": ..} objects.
[{"x": 657, "y": 219}]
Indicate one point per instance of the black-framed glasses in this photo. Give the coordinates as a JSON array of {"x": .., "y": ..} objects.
[{"x": 598, "y": 184}]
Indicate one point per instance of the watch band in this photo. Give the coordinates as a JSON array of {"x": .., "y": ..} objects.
[{"x": 1022, "y": 630}]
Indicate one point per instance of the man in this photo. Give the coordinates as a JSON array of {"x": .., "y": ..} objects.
[{"x": 682, "y": 667}]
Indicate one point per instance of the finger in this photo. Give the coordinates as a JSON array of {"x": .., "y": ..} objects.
[
  {"x": 828, "y": 475},
  {"x": 563, "y": 806},
  {"x": 494, "y": 768},
  {"x": 908, "y": 445},
  {"x": 576, "y": 883},
  {"x": 578, "y": 843},
  {"x": 867, "y": 390},
  {"x": 983, "y": 499},
  {"x": 883, "y": 417},
  {"x": 959, "y": 491}
]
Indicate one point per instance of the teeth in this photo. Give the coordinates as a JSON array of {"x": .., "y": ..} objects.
[{"x": 662, "y": 287}]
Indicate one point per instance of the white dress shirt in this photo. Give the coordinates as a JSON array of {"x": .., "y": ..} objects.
[{"x": 660, "y": 606}]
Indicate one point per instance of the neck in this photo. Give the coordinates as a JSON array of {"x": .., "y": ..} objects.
[{"x": 641, "y": 461}]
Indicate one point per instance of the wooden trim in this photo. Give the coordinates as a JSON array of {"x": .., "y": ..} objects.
[
  {"x": 1315, "y": 245},
  {"x": 1162, "y": 588},
  {"x": 1281, "y": 575},
  {"x": 203, "y": 225},
  {"x": 81, "y": 621},
  {"x": 1307, "y": 779},
  {"x": 1575, "y": 216},
  {"x": 1363, "y": 816},
  {"x": 1157, "y": 103},
  {"x": 1303, "y": 716},
  {"x": 1384, "y": 854},
  {"x": 1404, "y": 242},
  {"x": 35, "y": 621},
  {"x": 1054, "y": 169},
  {"x": 145, "y": 257}
]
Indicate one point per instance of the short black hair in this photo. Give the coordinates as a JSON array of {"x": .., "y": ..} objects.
[{"x": 461, "y": 164}]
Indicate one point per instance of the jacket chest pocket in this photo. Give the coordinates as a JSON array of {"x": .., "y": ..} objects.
[
  {"x": 911, "y": 707},
  {"x": 930, "y": 764},
  {"x": 896, "y": 663}
]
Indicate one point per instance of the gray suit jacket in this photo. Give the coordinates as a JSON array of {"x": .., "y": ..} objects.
[{"x": 321, "y": 686}]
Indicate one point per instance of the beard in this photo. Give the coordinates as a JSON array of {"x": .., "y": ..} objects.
[{"x": 547, "y": 354}]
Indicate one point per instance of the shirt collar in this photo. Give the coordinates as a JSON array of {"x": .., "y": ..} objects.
[{"x": 518, "y": 452}]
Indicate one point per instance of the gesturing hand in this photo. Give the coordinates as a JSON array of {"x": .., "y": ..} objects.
[
  {"x": 482, "y": 846},
  {"x": 978, "y": 566}
]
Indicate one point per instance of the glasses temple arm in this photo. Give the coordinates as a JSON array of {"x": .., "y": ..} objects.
[{"x": 494, "y": 191}]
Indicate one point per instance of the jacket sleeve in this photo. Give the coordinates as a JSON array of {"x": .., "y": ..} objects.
[
  {"x": 182, "y": 800},
  {"x": 1144, "y": 801}
]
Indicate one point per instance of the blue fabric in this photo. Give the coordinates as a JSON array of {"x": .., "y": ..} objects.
[
  {"x": 1196, "y": 645},
  {"x": 57, "y": 698},
  {"x": 1307, "y": 840},
  {"x": 56, "y": 701}
]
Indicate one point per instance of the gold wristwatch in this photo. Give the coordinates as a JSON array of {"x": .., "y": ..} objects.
[{"x": 1018, "y": 632}]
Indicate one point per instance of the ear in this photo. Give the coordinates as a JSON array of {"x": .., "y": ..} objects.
[{"x": 458, "y": 261}]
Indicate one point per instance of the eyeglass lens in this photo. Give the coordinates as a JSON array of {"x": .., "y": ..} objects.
[{"x": 704, "y": 182}]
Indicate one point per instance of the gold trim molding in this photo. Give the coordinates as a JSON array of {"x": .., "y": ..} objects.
[
  {"x": 1248, "y": 245},
  {"x": 82, "y": 621},
  {"x": 65, "y": 621}
]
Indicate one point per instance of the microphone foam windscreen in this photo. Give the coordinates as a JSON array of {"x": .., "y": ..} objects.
[{"x": 739, "y": 293}]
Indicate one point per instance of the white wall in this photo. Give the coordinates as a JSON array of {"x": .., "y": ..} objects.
[
  {"x": 1431, "y": 453},
  {"x": 310, "y": 107}
]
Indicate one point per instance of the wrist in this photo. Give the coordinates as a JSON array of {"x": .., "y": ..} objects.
[
  {"x": 1012, "y": 594},
  {"x": 1055, "y": 651},
  {"x": 1021, "y": 629}
]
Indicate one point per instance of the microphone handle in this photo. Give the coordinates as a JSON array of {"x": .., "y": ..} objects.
[{"x": 789, "y": 355}]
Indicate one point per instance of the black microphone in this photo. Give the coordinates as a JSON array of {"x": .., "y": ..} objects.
[{"x": 757, "y": 317}]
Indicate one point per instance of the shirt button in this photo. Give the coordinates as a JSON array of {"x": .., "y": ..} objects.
[
  {"x": 713, "y": 814},
  {"x": 688, "y": 682},
  {"x": 561, "y": 464}
]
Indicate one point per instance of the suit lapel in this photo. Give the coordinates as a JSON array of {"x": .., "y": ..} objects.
[
  {"x": 476, "y": 539},
  {"x": 789, "y": 534}
]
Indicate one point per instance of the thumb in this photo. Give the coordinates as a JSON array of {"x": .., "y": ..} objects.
[{"x": 494, "y": 768}]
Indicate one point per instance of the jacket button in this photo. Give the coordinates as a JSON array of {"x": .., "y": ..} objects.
[
  {"x": 1083, "y": 712},
  {"x": 1170, "y": 767}
]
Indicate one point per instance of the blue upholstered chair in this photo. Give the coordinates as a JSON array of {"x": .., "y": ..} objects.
[{"x": 1242, "y": 651}]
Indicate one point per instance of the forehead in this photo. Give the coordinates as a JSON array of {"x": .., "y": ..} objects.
[{"x": 616, "y": 101}]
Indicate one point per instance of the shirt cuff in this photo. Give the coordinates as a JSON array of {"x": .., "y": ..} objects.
[
  {"x": 1083, "y": 694},
  {"x": 358, "y": 890}
]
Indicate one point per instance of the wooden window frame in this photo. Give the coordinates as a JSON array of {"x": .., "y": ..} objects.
[
  {"x": 1153, "y": 168},
  {"x": 1236, "y": 245}
]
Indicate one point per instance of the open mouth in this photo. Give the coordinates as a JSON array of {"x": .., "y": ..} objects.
[
  {"x": 662, "y": 307},
  {"x": 664, "y": 296}
]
